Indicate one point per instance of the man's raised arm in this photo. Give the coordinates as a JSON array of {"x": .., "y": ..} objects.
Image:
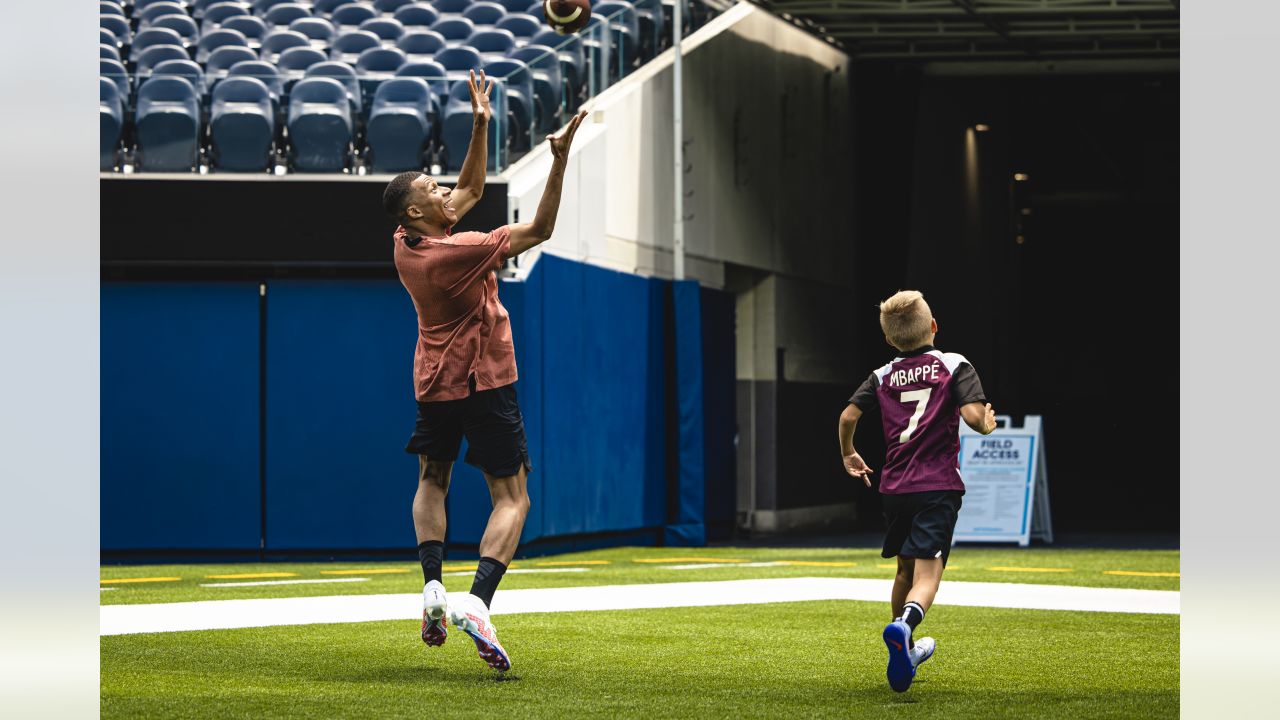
[
  {"x": 527, "y": 235},
  {"x": 471, "y": 178}
]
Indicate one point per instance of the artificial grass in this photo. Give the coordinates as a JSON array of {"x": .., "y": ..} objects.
[
  {"x": 627, "y": 566},
  {"x": 811, "y": 660}
]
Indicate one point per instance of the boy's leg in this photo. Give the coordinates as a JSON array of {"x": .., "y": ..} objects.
[{"x": 902, "y": 583}]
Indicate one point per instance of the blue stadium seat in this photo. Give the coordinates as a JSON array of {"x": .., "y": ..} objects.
[
  {"x": 264, "y": 71},
  {"x": 347, "y": 47},
  {"x": 254, "y": 28},
  {"x": 293, "y": 63},
  {"x": 220, "y": 38},
  {"x": 278, "y": 41},
  {"x": 242, "y": 125},
  {"x": 281, "y": 16},
  {"x": 482, "y": 12},
  {"x": 181, "y": 24},
  {"x": 625, "y": 36},
  {"x": 451, "y": 6},
  {"x": 344, "y": 74},
  {"x": 114, "y": 71},
  {"x": 108, "y": 52},
  {"x": 454, "y": 29},
  {"x": 460, "y": 59},
  {"x": 199, "y": 6},
  {"x": 117, "y": 25},
  {"x": 455, "y": 128},
  {"x": 318, "y": 30},
  {"x": 152, "y": 37},
  {"x": 157, "y": 10},
  {"x": 419, "y": 44},
  {"x": 389, "y": 6},
  {"x": 522, "y": 26},
  {"x": 436, "y": 76},
  {"x": 518, "y": 6},
  {"x": 573, "y": 60},
  {"x": 319, "y": 125},
  {"x": 110, "y": 123},
  {"x": 349, "y": 16},
  {"x": 398, "y": 125},
  {"x": 520, "y": 98},
  {"x": 548, "y": 84},
  {"x": 106, "y": 37},
  {"x": 110, "y": 8},
  {"x": 184, "y": 69},
  {"x": 139, "y": 5},
  {"x": 492, "y": 43},
  {"x": 157, "y": 54},
  {"x": 262, "y": 7},
  {"x": 216, "y": 14},
  {"x": 168, "y": 125},
  {"x": 417, "y": 14},
  {"x": 325, "y": 8},
  {"x": 388, "y": 30},
  {"x": 597, "y": 41},
  {"x": 221, "y": 60},
  {"x": 375, "y": 65},
  {"x": 649, "y": 14}
]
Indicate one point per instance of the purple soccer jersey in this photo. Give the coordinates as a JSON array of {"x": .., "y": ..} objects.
[{"x": 919, "y": 395}]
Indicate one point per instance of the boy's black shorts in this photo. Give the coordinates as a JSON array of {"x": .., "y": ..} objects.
[
  {"x": 920, "y": 524},
  {"x": 491, "y": 422}
]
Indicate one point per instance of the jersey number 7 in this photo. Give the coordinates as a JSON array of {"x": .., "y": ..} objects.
[{"x": 921, "y": 399}]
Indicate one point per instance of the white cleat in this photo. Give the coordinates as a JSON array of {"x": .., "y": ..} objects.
[
  {"x": 923, "y": 650},
  {"x": 468, "y": 613},
  {"x": 434, "y": 606}
]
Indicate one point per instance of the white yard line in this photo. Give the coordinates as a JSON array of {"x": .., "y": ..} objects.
[
  {"x": 226, "y": 614},
  {"x": 282, "y": 582}
]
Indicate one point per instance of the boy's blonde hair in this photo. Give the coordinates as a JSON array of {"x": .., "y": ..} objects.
[{"x": 906, "y": 319}]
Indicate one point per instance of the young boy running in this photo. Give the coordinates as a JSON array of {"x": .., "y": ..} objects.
[{"x": 922, "y": 394}]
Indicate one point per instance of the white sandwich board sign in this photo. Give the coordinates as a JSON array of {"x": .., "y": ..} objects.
[{"x": 1006, "y": 486}]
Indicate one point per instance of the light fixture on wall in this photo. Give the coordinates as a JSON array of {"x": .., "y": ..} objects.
[
  {"x": 981, "y": 127},
  {"x": 1021, "y": 177}
]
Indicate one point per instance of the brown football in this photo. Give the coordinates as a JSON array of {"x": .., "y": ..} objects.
[{"x": 566, "y": 16}]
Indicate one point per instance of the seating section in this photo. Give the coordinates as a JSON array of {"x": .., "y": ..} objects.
[{"x": 269, "y": 86}]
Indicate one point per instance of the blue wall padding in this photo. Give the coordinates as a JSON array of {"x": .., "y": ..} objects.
[
  {"x": 719, "y": 414},
  {"x": 686, "y": 526},
  {"x": 340, "y": 409},
  {"x": 179, "y": 416}
]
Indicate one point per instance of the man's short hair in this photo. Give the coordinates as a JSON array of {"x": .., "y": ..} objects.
[
  {"x": 906, "y": 319},
  {"x": 395, "y": 199}
]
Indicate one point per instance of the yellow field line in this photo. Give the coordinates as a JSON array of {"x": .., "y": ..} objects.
[
  {"x": 687, "y": 559},
  {"x": 1141, "y": 574},
  {"x": 1028, "y": 569},
  {"x": 579, "y": 562},
  {"x": 133, "y": 580},
  {"x": 379, "y": 571},
  {"x": 887, "y": 566},
  {"x": 458, "y": 568},
  {"x": 252, "y": 575},
  {"x": 816, "y": 563}
]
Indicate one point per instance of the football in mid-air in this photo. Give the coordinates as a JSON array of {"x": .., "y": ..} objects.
[{"x": 567, "y": 16}]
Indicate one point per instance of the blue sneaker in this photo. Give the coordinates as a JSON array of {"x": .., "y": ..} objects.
[{"x": 897, "y": 638}]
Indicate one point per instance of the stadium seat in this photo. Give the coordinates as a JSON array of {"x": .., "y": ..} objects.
[
  {"x": 374, "y": 66},
  {"x": 264, "y": 71},
  {"x": 184, "y": 69},
  {"x": 168, "y": 125},
  {"x": 417, "y": 15},
  {"x": 108, "y": 52},
  {"x": 181, "y": 24},
  {"x": 157, "y": 54},
  {"x": 344, "y": 74},
  {"x": 293, "y": 63},
  {"x": 242, "y": 125},
  {"x": 347, "y": 47},
  {"x": 318, "y": 30},
  {"x": 484, "y": 13},
  {"x": 518, "y": 6},
  {"x": 548, "y": 84},
  {"x": 221, "y": 60},
  {"x": 522, "y": 26},
  {"x": 198, "y": 7},
  {"x": 597, "y": 41},
  {"x": 520, "y": 98},
  {"x": 106, "y": 37},
  {"x": 454, "y": 29},
  {"x": 492, "y": 43},
  {"x": 157, "y": 10},
  {"x": 455, "y": 128},
  {"x": 152, "y": 37},
  {"x": 281, "y": 16},
  {"x": 625, "y": 34},
  {"x": 388, "y": 7},
  {"x": 254, "y": 28},
  {"x": 573, "y": 60},
  {"x": 277, "y": 41},
  {"x": 139, "y": 5},
  {"x": 262, "y": 7},
  {"x": 325, "y": 8},
  {"x": 110, "y": 8},
  {"x": 118, "y": 27},
  {"x": 216, "y": 14},
  {"x": 451, "y": 6},
  {"x": 460, "y": 59},
  {"x": 219, "y": 38},
  {"x": 419, "y": 44},
  {"x": 387, "y": 29},
  {"x": 436, "y": 76},
  {"x": 110, "y": 123},
  {"x": 114, "y": 71},
  {"x": 319, "y": 125},
  {"x": 649, "y": 15},
  {"x": 349, "y": 16},
  {"x": 398, "y": 125}
]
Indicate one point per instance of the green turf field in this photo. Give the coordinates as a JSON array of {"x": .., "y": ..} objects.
[{"x": 815, "y": 659}]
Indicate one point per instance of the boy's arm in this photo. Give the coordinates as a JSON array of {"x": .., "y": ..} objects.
[
  {"x": 471, "y": 178},
  {"x": 979, "y": 416},
  {"x": 853, "y": 462},
  {"x": 527, "y": 235}
]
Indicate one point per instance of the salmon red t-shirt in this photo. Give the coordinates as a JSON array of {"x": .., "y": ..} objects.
[{"x": 463, "y": 330}]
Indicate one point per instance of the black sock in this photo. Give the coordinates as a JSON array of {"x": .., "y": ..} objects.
[
  {"x": 488, "y": 575},
  {"x": 912, "y": 615},
  {"x": 431, "y": 553}
]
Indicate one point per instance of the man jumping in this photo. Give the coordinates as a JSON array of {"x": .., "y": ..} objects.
[{"x": 464, "y": 368}]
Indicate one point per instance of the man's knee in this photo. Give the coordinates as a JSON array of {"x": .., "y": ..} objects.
[{"x": 435, "y": 472}]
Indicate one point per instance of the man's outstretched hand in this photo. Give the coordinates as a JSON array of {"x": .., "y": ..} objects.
[
  {"x": 479, "y": 97},
  {"x": 560, "y": 143}
]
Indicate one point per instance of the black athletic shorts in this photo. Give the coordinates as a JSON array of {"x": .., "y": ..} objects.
[
  {"x": 491, "y": 422},
  {"x": 920, "y": 524}
]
